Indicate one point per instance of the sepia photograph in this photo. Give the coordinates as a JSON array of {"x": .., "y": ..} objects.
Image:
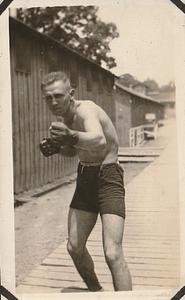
[{"x": 94, "y": 148}]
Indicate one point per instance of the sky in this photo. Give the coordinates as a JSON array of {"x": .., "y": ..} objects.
[
  {"x": 145, "y": 45},
  {"x": 146, "y": 35}
]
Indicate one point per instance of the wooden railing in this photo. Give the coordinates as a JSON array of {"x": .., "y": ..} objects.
[{"x": 136, "y": 136}]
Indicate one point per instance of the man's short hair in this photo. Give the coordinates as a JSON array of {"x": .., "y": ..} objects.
[{"x": 55, "y": 76}]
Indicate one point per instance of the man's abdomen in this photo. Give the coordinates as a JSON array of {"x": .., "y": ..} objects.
[{"x": 106, "y": 156}]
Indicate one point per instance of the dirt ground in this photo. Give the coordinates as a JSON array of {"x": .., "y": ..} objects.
[{"x": 41, "y": 224}]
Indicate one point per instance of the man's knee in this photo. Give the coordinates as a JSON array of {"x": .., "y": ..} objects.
[
  {"x": 113, "y": 252},
  {"x": 74, "y": 249}
]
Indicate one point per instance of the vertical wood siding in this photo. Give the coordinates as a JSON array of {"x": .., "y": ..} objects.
[
  {"x": 31, "y": 58},
  {"x": 123, "y": 116},
  {"x": 130, "y": 112},
  {"x": 140, "y": 107}
]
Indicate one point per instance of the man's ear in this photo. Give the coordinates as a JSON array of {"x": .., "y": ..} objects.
[{"x": 72, "y": 91}]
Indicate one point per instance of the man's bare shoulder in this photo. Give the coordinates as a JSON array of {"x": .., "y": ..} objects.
[{"x": 86, "y": 107}]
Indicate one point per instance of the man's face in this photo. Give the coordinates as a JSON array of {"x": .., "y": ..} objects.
[{"x": 57, "y": 96}]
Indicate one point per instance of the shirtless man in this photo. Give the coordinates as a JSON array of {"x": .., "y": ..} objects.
[{"x": 86, "y": 130}]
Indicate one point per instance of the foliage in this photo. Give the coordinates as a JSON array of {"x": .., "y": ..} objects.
[
  {"x": 151, "y": 84},
  {"x": 168, "y": 87},
  {"x": 127, "y": 80},
  {"x": 78, "y": 27}
]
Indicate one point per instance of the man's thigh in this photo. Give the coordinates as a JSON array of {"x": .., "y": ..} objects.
[
  {"x": 111, "y": 193},
  {"x": 112, "y": 228},
  {"x": 80, "y": 225}
]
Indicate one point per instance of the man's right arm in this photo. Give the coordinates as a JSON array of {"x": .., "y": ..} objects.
[
  {"x": 50, "y": 147},
  {"x": 92, "y": 138},
  {"x": 68, "y": 151}
]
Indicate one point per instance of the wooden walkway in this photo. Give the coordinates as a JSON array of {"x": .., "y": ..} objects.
[
  {"x": 151, "y": 239},
  {"x": 138, "y": 154}
]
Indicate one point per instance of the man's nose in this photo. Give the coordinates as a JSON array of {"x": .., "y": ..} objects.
[{"x": 54, "y": 102}]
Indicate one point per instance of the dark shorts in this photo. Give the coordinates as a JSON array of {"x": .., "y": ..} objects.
[{"x": 100, "y": 189}]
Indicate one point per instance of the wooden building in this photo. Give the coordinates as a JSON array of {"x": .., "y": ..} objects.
[
  {"x": 140, "y": 88},
  {"x": 32, "y": 56},
  {"x": 131, "y": 108},
  {"x": 167, "y": 98}
]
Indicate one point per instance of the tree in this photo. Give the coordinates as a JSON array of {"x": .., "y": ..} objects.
[
  {"x": 127, "y": 80},
  {"x": 78, "y": 27},
  {"x": 151, "y": 84},
  {"x": 170, "y": 87}
]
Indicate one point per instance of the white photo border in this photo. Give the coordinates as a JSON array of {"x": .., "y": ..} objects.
[{"x": 7, "y": 248}]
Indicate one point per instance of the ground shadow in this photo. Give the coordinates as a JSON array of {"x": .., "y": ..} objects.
[{"x": 74, "y": 289}]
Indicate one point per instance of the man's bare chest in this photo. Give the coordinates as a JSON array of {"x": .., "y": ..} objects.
[{"x": 77, "y": 124}]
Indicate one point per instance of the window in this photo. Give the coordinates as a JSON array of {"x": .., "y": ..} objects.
[
  {"x": 22, "y": 54},
  {"x": 74, "y": 74},
  {"x": 109, "y": 85},
  {"x": 52, "y": 59},
  {"x": 100, "y": 82},
  {"x": 89, "y": 79}
]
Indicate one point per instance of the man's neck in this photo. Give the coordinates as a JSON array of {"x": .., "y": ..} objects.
[{"x": 70, "y": 114}]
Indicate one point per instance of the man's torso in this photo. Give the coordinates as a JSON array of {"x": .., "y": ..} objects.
[{"x": 109, "y": 154}]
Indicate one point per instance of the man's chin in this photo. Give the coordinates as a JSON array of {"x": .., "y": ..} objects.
[{"x": 57, "y": 113}]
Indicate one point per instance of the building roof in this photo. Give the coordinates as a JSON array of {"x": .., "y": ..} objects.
[
  {"x": 165, "y": 97},
  {"x": 139, "y": 84},
  {"x": 14, "y": 21},
  {"x": 134, "y": 93}
]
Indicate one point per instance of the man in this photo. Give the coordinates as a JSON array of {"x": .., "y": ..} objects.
[{"x": 85, "y": 129}]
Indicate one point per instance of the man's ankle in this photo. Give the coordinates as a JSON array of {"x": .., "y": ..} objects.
[{"x": 99, "y": 289}]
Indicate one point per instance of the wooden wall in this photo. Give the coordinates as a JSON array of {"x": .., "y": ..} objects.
[
  {"x": 32, "y": 56},
  {"x": 123, "y": 116},
  {"x": 142, "y": 106},
  {"x": 130, "y": 112}
]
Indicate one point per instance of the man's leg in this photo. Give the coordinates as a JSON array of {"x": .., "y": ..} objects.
[
  {"x": 112, "y": 227},
  {"x": 80, "y": 225}
]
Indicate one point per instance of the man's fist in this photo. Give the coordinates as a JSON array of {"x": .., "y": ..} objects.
[
  {"x": 62, "y": 134},
  {"x": 58, "y": 130},
  {"x": 49, "y": 147}
]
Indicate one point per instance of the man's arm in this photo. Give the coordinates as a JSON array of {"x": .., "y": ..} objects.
[
  {"x": 49, "y": 147},
  {"x": 69, "y": 151},
  {"x": 92, "y": 138}
]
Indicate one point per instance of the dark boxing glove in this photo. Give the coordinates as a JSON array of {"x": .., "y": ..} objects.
[{"x": 49, "y": 147}]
